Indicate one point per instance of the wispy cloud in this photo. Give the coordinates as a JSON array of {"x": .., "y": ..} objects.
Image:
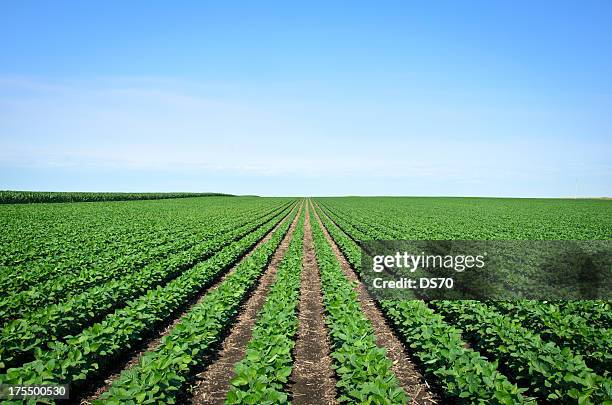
[{"x": 150, "y": 124}]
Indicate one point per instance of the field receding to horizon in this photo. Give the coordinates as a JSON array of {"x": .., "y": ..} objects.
[{"x": 204, "y": 299}]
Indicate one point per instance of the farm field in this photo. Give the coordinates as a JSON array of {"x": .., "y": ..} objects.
[{"x": 256, "y": 300}]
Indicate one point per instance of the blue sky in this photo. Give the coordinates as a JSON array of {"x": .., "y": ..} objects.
[{"x": 271, "y": 98}]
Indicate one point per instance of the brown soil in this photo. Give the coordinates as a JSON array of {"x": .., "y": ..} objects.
[
  {"x": 211, "y": 385},
  {"x": 312, "y": 378},
  {"x": 98, "y": 388},
  {"x": 410, "y": 379}
]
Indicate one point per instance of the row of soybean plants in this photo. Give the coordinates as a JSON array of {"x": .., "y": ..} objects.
[
  {"x": 463, "y": 374},
  {"x": 43, "y": 227},
  {"x": 43, "y": 242},
  {"x": 547, "y": 371},
  {"x": 81, "y": 357},
  {"x": 582, "y": 326},
  {"x": 393, "y": 224},
  {"x": 20, "y": 338},
  {"x": 384, "y": 228},
  {"x": 599, "y": 312},
  {"x": 363, "y": 369},
  {"x": 58, "y": 236},
  {"x": 262, "y": 375},
  {"x": 429, "y": 218},
  {"x": 162, "y": 374},
  {"x": 68, "y": 239},
  {"x": 581, "y": 335},
  {"x": 484, "y": 218},
  {"x": 53, "y": 290},
  {"x": 555, "y": 328},
  {"x": 132, "y": 258}
]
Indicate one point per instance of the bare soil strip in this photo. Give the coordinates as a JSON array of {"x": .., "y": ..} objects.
[
  {"x": 409, "y": 377},
  {"x": 212, "y": 384},
  {"x": 312, "y": 378},
  {"x": 133, "y": 357}
]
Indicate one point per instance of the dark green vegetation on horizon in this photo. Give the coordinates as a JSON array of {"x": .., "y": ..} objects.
[{"x": 28, "y": 197}]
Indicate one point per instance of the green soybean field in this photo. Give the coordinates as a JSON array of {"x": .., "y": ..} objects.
[{"x": 201, "y": 298}]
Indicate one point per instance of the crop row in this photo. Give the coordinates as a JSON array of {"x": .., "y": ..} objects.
[
  {"x": 70, "y": 256},
  {"x": 465, "y": 375},
  {"x": 369, "y": 225},
  {"x": 65, "y": 239},
  {"x": 52, "y": 291},
  {"x": 19, "y": 338},
  {"x": 364, "y": 228},
  {"x": 262, "y": 374},
  {"x": 427, "y": 218},
  {"x": 363, "y": 369},
  {"x": 65, "y": 260},
  {"x": 50, "y": 231},
  {"x": 551, "y": 373},
  {"x": 599, "y": 312},
  {"x": 566, "y": 330},
  {"x": 160, "y": 374},
  {"x": 82, "y": 356},
  {"x": 562, "y": 375}
]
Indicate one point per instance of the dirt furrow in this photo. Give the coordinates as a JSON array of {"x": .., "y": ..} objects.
[
  {"x": 97, "y": 388},
  {"x": 212, "y": 384},
  {"x": 312, "y": 378},
  {"x": 409, "y": 377}
]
